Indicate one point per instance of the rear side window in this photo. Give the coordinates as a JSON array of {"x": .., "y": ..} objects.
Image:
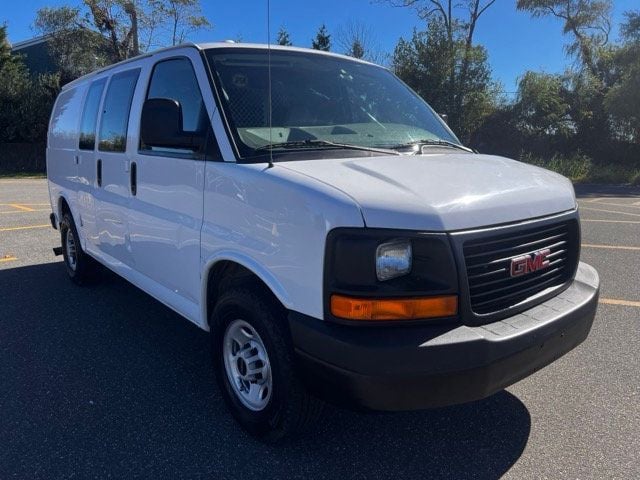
[
  {"x": 64, "y": 121},
  {"x": 115, "y": 116},
  {"x": 176, "y": 80},
  {"x": 90, "y": 115}
]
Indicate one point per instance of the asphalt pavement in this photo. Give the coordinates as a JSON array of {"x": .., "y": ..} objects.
[{"x": 105, "y": 382}]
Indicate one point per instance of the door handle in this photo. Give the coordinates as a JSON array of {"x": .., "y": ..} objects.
[
  {"x": 99, "y": 173},
  {"x": 134, "y": 178}
]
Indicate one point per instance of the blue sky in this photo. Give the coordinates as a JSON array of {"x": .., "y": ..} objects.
[{"x": 515, "y": 41}]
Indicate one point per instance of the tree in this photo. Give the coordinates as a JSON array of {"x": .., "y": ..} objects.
[
  {"x": 357, "y": 40},
  {"x": 322, "y": 40},
  {"x": 630, "y": 29},
  {"x": 121, "y": 24},
  {"x": 588, "y": 23},
  {"x": 425, "y": 61},
  {"x": 183, "y": 17},
  {"x": 118, "y": 21},
  {"x": 457, "y": 23},
  {"x": 587, "y": 20},
  {"x": 283, "y": 37},
  {"x": 14, "y": 82},
  {"x": 26, "y": 102},
  {"x": 622, "y": 101},
  {"x": 75, "y": 48},
  {"x": 356, "y": 49},
  {"x": 542, "y": 106}
]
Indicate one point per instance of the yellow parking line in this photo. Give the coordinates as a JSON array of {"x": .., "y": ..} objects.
[
  {"x": 614, "y": 301},
  {"x": 610, "y": 211},
  {"x": 614, "y": 247},
  {"x": 608, "y": 221},
  {"x": 10, "y": 229},
  {"x": 7, "y": 259},
  {"x": 21, "y": 207},
  {"x": 592, "y": 200},
  {"x": 30, "y": 211}
]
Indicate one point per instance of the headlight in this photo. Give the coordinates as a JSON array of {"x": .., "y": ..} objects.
[
  {"x": 393, "y": 259},
  {"x": 373, "y": 274}
]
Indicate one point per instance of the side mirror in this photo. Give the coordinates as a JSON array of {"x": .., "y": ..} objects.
[
  {"x": 161, "y": 126},
  {"x": 444, "y": 117}
]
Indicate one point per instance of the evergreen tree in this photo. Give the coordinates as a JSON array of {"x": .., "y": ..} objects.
[
  {"x": 283, "y": 37},
  {"x": 322, "y": 40},
  {"x": 356, "y": 50}
]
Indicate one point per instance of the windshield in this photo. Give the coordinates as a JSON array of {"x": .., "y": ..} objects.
[{"x": 316, "y": 99}]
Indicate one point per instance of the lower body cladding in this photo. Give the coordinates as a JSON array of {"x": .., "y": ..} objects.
[{"x": 422, "y": 366}]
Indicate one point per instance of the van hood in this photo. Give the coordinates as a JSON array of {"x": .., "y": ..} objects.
[{"x": 442, "y": 192}]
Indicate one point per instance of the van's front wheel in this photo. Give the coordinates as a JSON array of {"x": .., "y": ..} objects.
[
  {"x": 253, "y": 360},
  {"x": 80, "y": 267}
]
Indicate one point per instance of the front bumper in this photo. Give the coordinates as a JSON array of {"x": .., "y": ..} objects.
[{"x": 421, "y": 366}]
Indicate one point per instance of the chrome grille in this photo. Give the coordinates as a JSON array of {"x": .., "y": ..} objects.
[{"x": 488, "y": 262}]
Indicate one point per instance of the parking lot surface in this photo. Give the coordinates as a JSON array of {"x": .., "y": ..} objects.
[{"x": 105, "y": 382}]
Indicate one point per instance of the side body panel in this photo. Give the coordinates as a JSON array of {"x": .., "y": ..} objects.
[
  {"x": 87, "y": 181},
  {"x": 112, "y": 198},
  {"x": 62, "y": 148},
  {"x": 274, "y": 222},
  {"x": 165, "y": 214}
]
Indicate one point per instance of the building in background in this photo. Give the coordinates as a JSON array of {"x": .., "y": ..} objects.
[{"x": 36, "y": 55}]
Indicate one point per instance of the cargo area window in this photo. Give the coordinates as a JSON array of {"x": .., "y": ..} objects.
[
  {"x": 90, "y": 115},
  {"x": 115, "y": 115}
]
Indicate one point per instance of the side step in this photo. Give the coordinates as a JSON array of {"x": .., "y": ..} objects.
[{"x": 57, "y": 251}]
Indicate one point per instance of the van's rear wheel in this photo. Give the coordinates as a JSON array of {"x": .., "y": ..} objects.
[
  {"x": 80, "y": 267},
  {"x": 254, "y": 364}
]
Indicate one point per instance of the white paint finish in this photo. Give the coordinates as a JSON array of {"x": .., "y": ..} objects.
[
  {"x": 179, "y": 304},
  {"x": 111, "y": 200},
  {"x": 165, "y": 216},
  {"x": 164, "y": 221},
  {"x": 62, "y": 140},
  {"x": 87, "y": 207},
  {"x": 443, "y": 192},
  {"x": 188, "y": 215},
  {"x": 273, "y": 221}
]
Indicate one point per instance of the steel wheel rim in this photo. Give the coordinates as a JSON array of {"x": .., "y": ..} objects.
[
  {"x": 72, "y": 253},
  {"x": 247, "y": 366}
]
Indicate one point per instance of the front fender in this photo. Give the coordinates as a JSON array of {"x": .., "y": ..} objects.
[{"x": 266, "y": 276}]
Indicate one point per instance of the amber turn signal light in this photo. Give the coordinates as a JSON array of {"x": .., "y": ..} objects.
[{"x": 351, "y": 308}]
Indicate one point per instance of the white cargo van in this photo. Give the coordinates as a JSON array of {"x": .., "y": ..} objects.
[{"x": 324, "y": 224}]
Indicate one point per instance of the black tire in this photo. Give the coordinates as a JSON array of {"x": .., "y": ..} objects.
[
  {"x": 291, "y": 408},
  {"x": 84, "y": 269}
]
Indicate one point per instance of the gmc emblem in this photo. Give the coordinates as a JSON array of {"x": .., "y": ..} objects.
[{"x": 530, "y": 263}]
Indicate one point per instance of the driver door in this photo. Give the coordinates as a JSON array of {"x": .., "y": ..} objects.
[{"x": 166, "y": 206}]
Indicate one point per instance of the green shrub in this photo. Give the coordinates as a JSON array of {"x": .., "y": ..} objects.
[
  {"x": 581, "y": 169},
  {"x": 578, "y": 167}
]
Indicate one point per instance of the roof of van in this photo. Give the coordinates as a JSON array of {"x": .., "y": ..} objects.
[{"x": 209, "y": 45}]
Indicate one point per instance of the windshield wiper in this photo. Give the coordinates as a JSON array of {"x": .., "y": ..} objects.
[
  {"x": 433, "y": 143},
  {"x": 314, "y": 143}
]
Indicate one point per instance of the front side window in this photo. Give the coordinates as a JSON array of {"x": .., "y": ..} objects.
[
  {"x": 115, "y": 115},
  {"x": 175, "y": 79},
  {"x": 318, "y": 98},
  {"x": 90, "y": 115}
]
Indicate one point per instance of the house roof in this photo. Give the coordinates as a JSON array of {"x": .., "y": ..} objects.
[{"x": 30, "y": 43}]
